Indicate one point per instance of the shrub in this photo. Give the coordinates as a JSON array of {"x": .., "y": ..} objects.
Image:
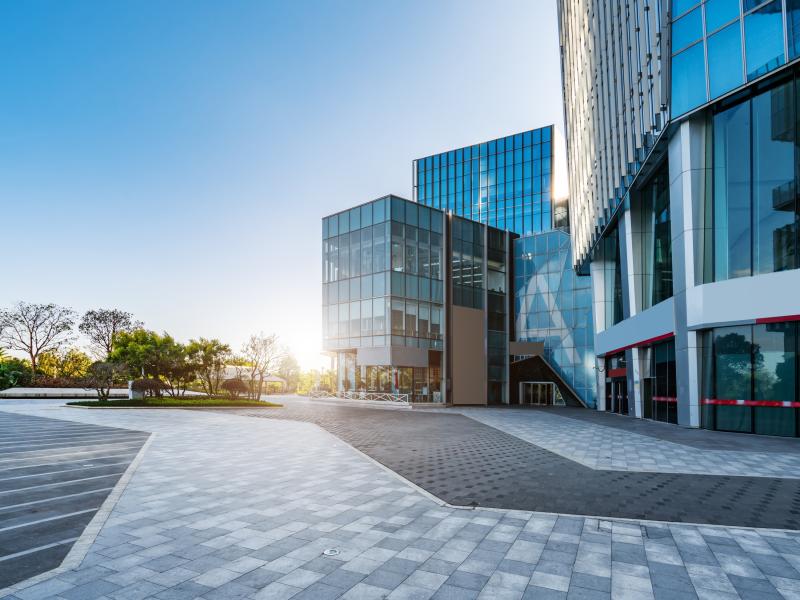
[
  {"x": 234, "y": 387},
  {"x": 13, "y": 373},
  {"x": 102, "y": 376},
  {"x": 152, "y": 387}
]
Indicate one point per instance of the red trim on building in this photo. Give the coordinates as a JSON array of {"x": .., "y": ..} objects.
[
  {"x": 734, "y": 402},
  {"x": 621, "y": 372},
  {"x": 766, "y": 320},
  {"x": 646, "y": 342},
  {"x": 669, "y": 399}
]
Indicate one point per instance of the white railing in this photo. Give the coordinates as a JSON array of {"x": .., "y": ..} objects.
[
  {"x": 377, "y": 396},
  {"x": 374, "y": 396}
]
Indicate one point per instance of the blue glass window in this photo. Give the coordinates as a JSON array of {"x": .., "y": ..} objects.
[
  {"x": 720, "y": 12},
  {"x": 687, "y": 30},
  {"x": 725, "y": 60},
  {"x": 763, "y": 32},
  {"x": 793, "y": 27},
  {"x": 688, "y": 80},
  {"x": 681, "y": 6}
]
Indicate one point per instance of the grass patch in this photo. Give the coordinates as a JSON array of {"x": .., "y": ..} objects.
[{"x": 181, "y": 402}]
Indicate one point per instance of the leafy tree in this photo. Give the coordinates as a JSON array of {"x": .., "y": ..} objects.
[
  {"x": 289, "y": 369},
  {"x": 235, "y": 386},
  {"x": 145, "y": 352},
  {"x": 70, "y": 363},
  {"x": 35, "y": 328},
  {"x": 208, "y": 358},
  {"x": 262, "y": 354},
  {"x": 101, "y": 325},
  {"x": 102, "y": 376}
]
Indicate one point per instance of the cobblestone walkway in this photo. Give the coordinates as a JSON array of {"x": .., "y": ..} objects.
[
  {"x": 468, "y": 463},
  {"x": 223, "y": 506},
  {"x": 604, "y": 447}
]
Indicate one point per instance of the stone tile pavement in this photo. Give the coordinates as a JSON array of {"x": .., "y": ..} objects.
[
  {"x": 224, "y": 506},
  {"x": 609, "y": 448}
]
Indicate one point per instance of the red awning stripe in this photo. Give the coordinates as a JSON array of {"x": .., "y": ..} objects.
[
  {"x": 621, "y": 372},
  {"x": 733, "y": 402},
  {"x": 646, "y": 342},
  {"x": 669, "y": 399},
  {"x": 766, "y": 320}
]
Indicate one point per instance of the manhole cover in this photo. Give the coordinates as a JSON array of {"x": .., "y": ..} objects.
[{"x": 331, "y": 552}]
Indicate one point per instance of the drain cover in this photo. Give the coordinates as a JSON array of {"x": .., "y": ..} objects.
[{"x": 331, "y": 552}]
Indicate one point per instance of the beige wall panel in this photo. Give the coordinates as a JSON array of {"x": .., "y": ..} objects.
[{"x": 468, "y": 356}]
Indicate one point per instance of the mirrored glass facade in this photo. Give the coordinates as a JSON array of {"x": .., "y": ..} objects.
[
  {"x": 750, "y": 379},
  {"x": 505, "y": 183},
  {"x": 719, "y": 45},
  {"x": 383, "y": 286},
  {"x": 553, "y": 305},
  {"x": 752, "y": 210},
  {"x": 382, "y": 276}
]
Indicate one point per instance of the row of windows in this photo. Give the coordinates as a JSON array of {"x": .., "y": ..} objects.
[
  {"x": 502, "y": 186},
  {"x": 390, "y": 245},
  {"x": 503, "y": 167},
  {"x": 511, "y": 142},
  {"x": 379, "y": 211},
  {"x": 369, "y": 317},
  {"x": 716, "y": 48},
  {"x": 383, "y": 284},
  {"x": 378, "y": 341}
]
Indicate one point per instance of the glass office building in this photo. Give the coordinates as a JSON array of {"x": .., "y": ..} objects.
[
  {"x": 397, "y": 277},
  {"x": 684, "y": 206},
  {"x": 383, "y": 288},
  {"x": 505, "y": 183}
]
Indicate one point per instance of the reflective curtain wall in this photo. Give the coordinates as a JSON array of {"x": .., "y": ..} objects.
[
  {"x": 505, "y": 183},
  {"x": 383, "y": 281},
  {"x": 655, "y": 256},
  {"x": 659, "y": 383},
  {"x": 609, "y": 254},
  {"x": 754, "y": 208},
  {"x": 750, "y": 379},
  {"x": 553, "y": 305},
  {"x": 709, "y": 57}
]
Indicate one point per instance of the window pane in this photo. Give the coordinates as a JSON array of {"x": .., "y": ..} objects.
[
  {"x": 732, "y": 252},
  {"x": 687, "y": 30},
  {"x": 681, "y": 6},
  {"x": 719, "y": 12},
  {"x": 773, "y": 180},
  {"x": 688, "y": 80},
  {"x": 793, "y": 27},
  {"x": 763, "y": 33},
  {"x": 775, "y": 372},
  {"x": 725, "y": 60},
  {"x": 733, "y": 376}
]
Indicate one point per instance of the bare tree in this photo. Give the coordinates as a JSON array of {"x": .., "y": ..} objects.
[
  {"x": 36, "y": 328},
  {"x": 263, "y": 355},
  {"x": 101, "y": 325}
]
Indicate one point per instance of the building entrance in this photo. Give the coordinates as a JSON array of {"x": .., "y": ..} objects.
[
  {"x": 536, "y": 393},
  {"x": 617, "y": 395}
]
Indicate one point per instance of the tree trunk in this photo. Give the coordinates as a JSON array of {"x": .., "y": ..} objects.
[{"x": 33, "y": 366}]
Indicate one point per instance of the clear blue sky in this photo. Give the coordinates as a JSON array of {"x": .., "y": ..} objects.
[{"x": 174, "y": 158}]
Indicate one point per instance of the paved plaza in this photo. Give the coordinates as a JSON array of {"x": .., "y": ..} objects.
[{"x": 223, "y": 505}]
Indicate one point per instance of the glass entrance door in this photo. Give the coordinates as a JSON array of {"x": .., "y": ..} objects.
[
  {"x": 619, "y": 396},
  {"x": 536, "y": 393}
]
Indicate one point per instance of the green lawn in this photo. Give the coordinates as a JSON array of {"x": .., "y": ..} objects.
[{"x": 169, "y": 401}]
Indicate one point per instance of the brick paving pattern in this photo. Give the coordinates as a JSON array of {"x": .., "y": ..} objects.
[{"x": 224, "y": 506}]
